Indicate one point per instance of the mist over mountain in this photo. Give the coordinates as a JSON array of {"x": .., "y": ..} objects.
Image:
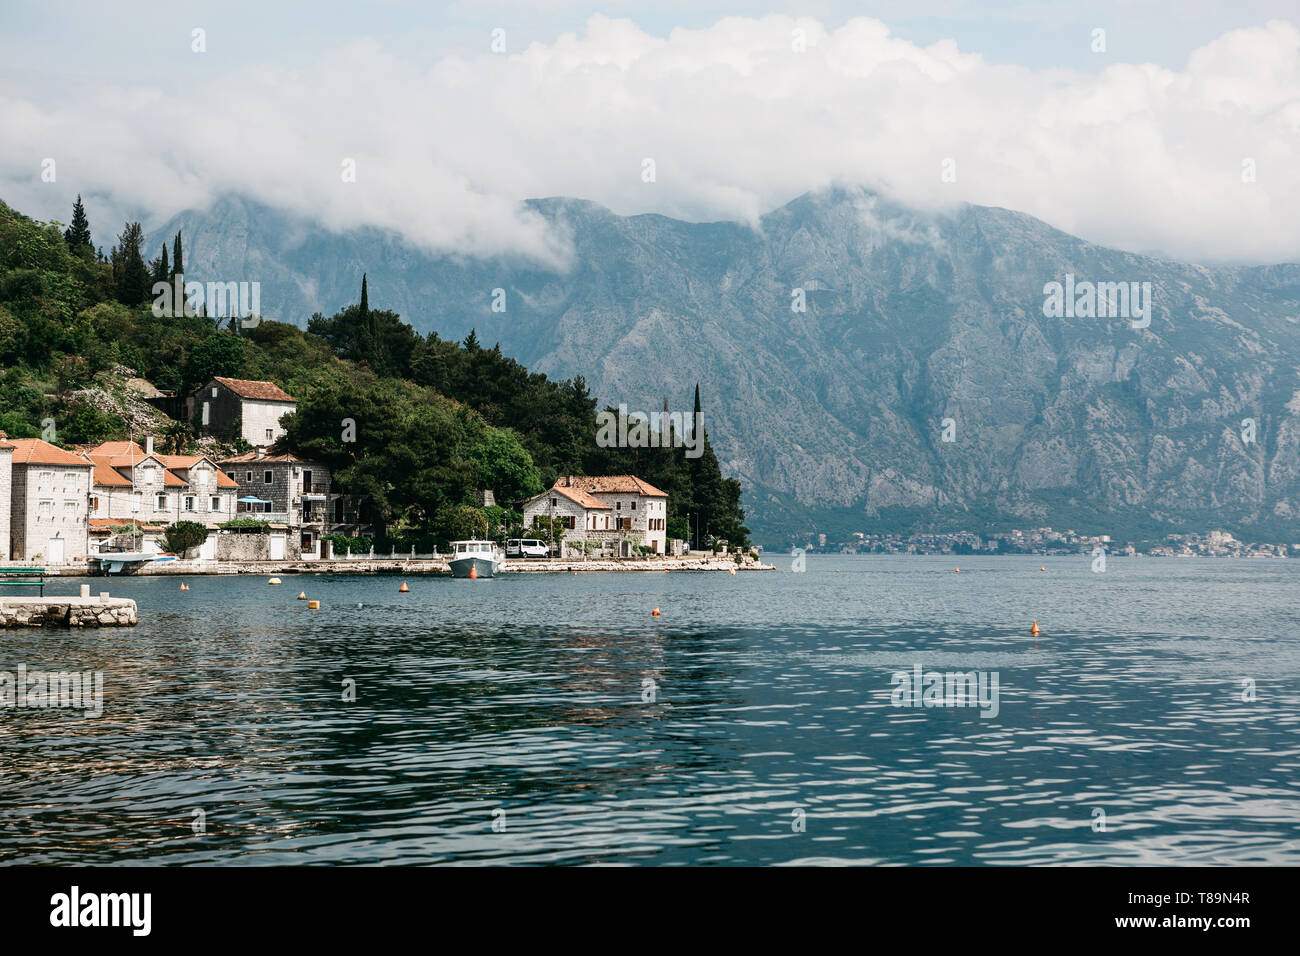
[{"x": 834, "y": 416}]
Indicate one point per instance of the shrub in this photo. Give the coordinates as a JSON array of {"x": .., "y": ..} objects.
[
  {"x": 184, "y": 535},
  {"x": 245, "y": 524}
]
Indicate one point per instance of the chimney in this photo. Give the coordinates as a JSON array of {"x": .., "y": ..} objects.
[
  {"x": 568, "y": 481},
  {"x": 148, "y": 445},
  {"x": 261, "y": 452}
]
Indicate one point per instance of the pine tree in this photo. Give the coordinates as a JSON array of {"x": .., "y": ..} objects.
[
  {"x": 77, "y": 235},
  {"x": 178, "y": 263},
  {"x": 365, "y": 302}
]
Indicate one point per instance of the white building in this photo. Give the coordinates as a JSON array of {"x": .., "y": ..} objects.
[
  {"x": 48, "y": 510},
  {"x": 135, "y": 484},
  {"x": 616, "y": 512}
]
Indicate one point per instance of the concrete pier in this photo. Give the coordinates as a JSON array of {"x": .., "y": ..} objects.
[{"x": 81, "y": 611}]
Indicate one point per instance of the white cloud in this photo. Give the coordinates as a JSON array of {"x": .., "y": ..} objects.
[{"x": 1136, "y": 156}]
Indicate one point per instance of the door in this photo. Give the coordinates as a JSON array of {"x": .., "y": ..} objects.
[
  {"x": 56, "y": 546},
  {"x": 208, "y": 550},
  {"x": 277, "y": 547}
]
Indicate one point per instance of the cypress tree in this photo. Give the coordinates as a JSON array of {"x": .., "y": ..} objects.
[
  {"x": 159, "y": 271},
  {"x": 77, "y": 235},
  {"x": 178, "y": 263},
  {"x": 133, "y": 277}
]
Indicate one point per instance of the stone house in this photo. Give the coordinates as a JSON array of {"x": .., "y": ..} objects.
[
  {"x": 618, "y": 512},
  {"x": 288, "y": 491},
  {"x": 135, "y": 484},
  {"x": 237, "y": 407},
  {"x": 49, "y": 520}
]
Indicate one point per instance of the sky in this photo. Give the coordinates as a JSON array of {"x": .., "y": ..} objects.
[{"x": 1171, "y": 128}]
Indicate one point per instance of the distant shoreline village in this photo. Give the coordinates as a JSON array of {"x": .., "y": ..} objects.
[{"x": 1046, "y": 541}]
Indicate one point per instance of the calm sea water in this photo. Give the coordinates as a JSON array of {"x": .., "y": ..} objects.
[{"x": 751, "y": 723}]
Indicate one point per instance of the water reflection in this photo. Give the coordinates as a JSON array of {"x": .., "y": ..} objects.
[{"x": 771, "y": 695}]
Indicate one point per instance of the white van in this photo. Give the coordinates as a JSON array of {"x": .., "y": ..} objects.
[{"x": 526, "y": 548}]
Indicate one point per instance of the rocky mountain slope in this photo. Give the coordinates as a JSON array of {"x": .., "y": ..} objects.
[{"x": 834, "y": 416}]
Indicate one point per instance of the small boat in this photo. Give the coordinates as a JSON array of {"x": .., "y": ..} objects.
[
  {"x": 477, "y": 559},
  {"x": 126, "y": 562}
]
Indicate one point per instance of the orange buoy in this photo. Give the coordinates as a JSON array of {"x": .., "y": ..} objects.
[
  {"x": 1042, "y": 569},
  {"x": 313, "y": 605},
  {"x": 403, "y": 589},
  {"x": 1034, "y": 629},
  {"x": 956, "y": 571},
  {"x": 655, "y": 613},
  {"x": 473, "y": 570},
  {"x": 733, "y": 570},
  {"x": 302, "y": 595},
  {"x": 183, "y": 587}
]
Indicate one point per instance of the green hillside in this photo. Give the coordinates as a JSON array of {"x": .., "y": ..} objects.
[{"x": 416, "y": 424}]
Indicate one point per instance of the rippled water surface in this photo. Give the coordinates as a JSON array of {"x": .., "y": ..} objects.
[{"x": 751, "y": 723}]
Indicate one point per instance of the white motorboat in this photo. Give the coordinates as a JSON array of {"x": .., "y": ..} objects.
[{"x": 476, "y": 559}]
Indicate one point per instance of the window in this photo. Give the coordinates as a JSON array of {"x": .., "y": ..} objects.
[
  {"x": 94, "y": 502},
  {"x": 160, "y": 502},
  {"x": 69, "y": 477},
  {"x": 306, "y": 481},
  {"x": 46, "y": 509},
  {"x": 150, "y": 475},
  {"x": 555, "y": 502},
  {"x": 269, "y": 434},
  {"x": 189, "y": 502},
  {"x": 230, "y": 475},
  {"x": 248, "y": 476},
  {"x": 568, "y": 521},
  {"x": 69, "y": 509},
  {"x": 634, "y": 506},
  {"x": 47, "y": 478},
  {"x": 137, "y": 502},
  {"x": 266, "y": 477},
  {"x": 214, "y": 503},
  {"x": 214, "y": 391}
]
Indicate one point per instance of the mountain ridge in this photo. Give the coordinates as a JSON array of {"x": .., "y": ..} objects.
[{"x": 912, "y": 317}]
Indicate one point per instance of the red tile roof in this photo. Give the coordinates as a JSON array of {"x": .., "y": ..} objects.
[
  {"x": 106, "y": 524},
  {"x": 251, "y": 458},
  {"x": 611, "y": 485},
  {"x": 33, "y": 451},
  {"x": 578, "y": 496},
  {"x": 261, "y": 391},
  {"x": 105, "y": 474},
  {"x": 186, "y": 462},
  {"x": 114, "y": 449}
]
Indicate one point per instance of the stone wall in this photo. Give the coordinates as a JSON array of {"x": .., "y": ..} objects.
[
  {"x": 243, "y": 547},
  {"x": 67, "y": 612},
  {"x": 6, "y": 490}
]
